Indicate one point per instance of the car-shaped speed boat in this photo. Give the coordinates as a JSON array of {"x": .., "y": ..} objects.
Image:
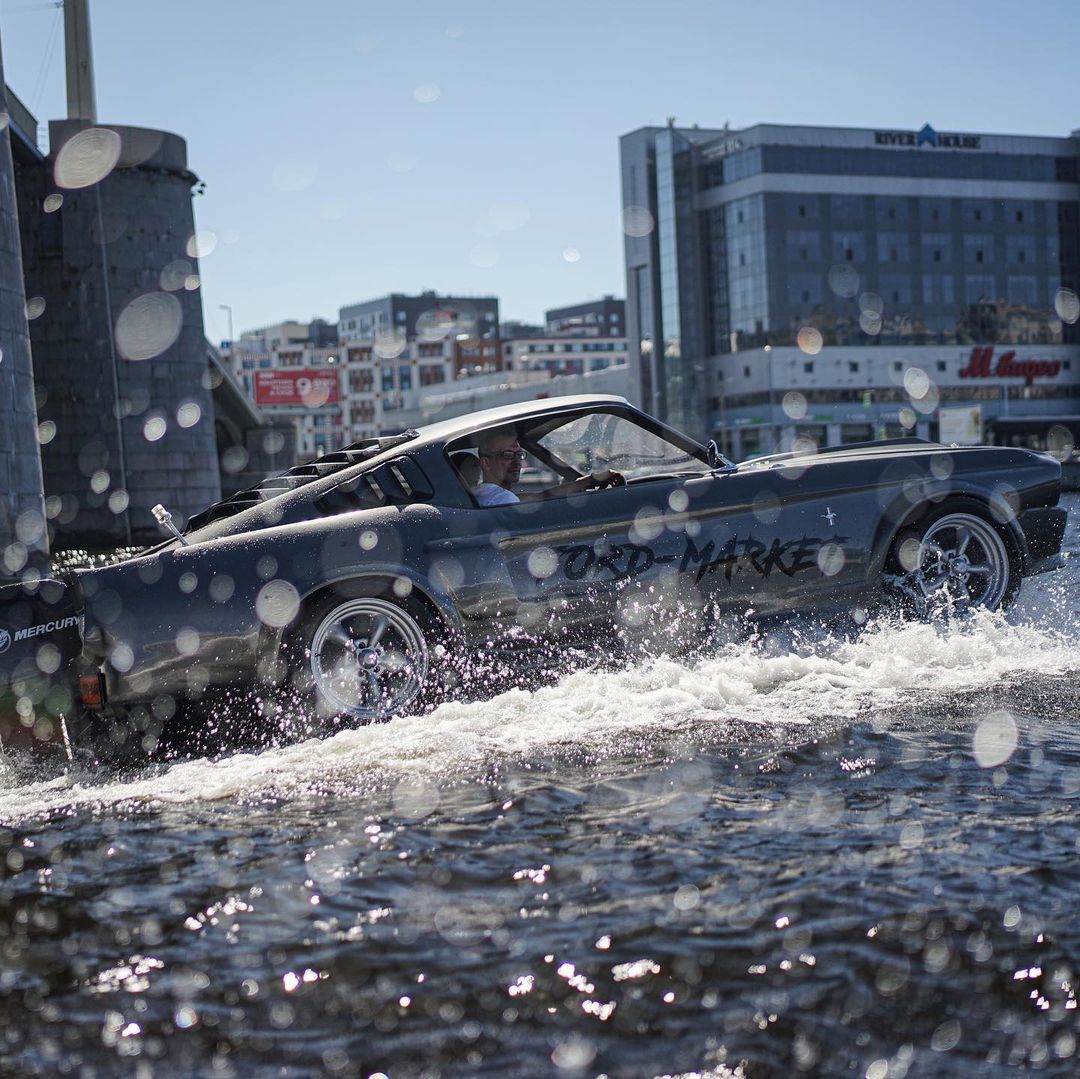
[{"x": 368, "y": 583}]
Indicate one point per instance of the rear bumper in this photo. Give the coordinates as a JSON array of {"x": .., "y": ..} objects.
[{"x": 1043, "y": 529}]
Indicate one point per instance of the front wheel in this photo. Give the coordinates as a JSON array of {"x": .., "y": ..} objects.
[
  {"x": 367, "y": 658},
  {"x": 954, "y": 559}
]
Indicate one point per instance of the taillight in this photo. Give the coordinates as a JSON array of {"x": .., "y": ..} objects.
[{"x": 91, "y": 691}]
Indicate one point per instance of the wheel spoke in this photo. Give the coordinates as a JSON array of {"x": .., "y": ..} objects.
[
  {"x": 981, "y": 568},
  {"x": 963, "y": 538},
  {"x": 338, "y": 633},
  {"x": 937, "y": 550},
  {"x": 374, "y": 689},
  {"x": 378, "y": 628}
]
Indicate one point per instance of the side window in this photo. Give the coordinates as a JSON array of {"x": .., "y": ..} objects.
[{"x": 602, "y": 441}]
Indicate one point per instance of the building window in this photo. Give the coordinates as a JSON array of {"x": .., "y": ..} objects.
[
  {"x": 978, "y": 215},
  {"x": 808, "y": 368},
  {"x": 802, "y": 210},
  {"x": 849, "y": 254},
  {"x": 935, "y": 214},
  {"x": 853, "y": 366},
  {"x": 941, "y": 365},
  {"x": 742, "y": 258},
  {"x": 1019, "y": 217},
  {"x": 746, "y": 372},
  {"x": 739, "y": 216},
  {"x": 937, "y": 254},
  {"x": 892, "y": 254},
  {"x": 978, "y": 256}
]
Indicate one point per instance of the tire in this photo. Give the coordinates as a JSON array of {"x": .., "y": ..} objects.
[
  {"x": 955, "y": 558},
  {"x": 365, "y": 656}
]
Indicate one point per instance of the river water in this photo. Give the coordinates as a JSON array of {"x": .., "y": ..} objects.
[{"x": 799, "y": 855}]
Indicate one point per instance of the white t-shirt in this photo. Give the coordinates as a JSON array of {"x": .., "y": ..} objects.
[{"x": 491, "y": 494}]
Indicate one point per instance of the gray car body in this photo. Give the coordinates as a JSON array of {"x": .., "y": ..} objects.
[{"x": 773, "y": 536}]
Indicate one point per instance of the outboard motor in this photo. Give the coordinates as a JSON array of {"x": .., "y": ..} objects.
[{"x": 40, "y": 638}]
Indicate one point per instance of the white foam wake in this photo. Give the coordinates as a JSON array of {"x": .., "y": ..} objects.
[{"x": 781, "y": 684}]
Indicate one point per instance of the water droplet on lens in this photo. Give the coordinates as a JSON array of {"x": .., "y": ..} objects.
[
  {"x": 87, "y": 157},
  {"x": 1067, "y": 305},
  {"x": 35, "y": 308},
  {"x": 637, "y": 221},
  {"x": 154, "y": 428},
  {"x": 53, "y": 202},
  {"x": 794, "y": 405},
  {"x": 426, "y": 93},
  {"x": 148, "y": 325},
  {"x": 809, "y": 340},
  {"x": 571, "y": 254}
]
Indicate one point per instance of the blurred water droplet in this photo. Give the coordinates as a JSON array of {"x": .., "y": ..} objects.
[
  {"x": 174, "y": 274},
  {"x": 916, "y": 382},
  {"x": 46, "y": 432},
  {"x": 99, "y": 482},
  {"x": 389, "y": 344},
  {"x": 995, "y": 739},
  {"x": 188, "y": 414},
  {"x": 87, "y": 157},
  {"x": 831, "y": 559},
  {"x": 426, "y": 93},
  {"x": 794, "y": 405},
  {"x": 234, "y": 460},
  {"x": 277, "y": 603},
  {"x": 200, "y": 244},
  {"x": 1060, "y": 442},
  {"x": 908, "y": 418},
  {"x": 809, "y": 340},
  {"x": 844, "y": 280},
  {"x": 119, "y": 501},
  {"x": 154, "y": 428},
  {"x": 1067, "y": 305},
  {"x": 637, "y": 221},
  {"x": 192, "y": 282},
  {"x": 870, "y": 323},
  {"x": 543, "y": 562},
  {"x": 148, "y": 325},
  {"x": 871, "y": 303},
  {"x": 35, "y": 308},
  {"x": 53, "y": 202},
  {"x": 571, "y": 254}
]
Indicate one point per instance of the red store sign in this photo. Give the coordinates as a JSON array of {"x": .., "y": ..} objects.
[{"x": 981, "y": 365}]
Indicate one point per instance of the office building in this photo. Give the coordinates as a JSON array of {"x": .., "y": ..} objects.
[{"x": 836, "y": 284}]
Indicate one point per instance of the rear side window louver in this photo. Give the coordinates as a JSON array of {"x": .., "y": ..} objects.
[{"x": 272, "y": 486}]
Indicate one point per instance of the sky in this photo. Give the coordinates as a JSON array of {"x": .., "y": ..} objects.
[{"x": 353, "y": 148}]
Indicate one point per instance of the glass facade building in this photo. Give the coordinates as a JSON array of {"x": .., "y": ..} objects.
[{"x": 762, "y": 249}]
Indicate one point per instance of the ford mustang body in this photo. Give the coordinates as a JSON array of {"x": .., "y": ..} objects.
[{"x": 370, "y": 582}]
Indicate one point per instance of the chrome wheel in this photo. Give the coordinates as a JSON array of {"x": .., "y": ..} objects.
[
  {"x": 961, "y": 560},
  {"x": 368, "y": 659}
]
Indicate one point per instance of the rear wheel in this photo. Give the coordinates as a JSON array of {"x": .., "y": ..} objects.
[
  {"x": 954, "y": 559},
  {"x": 367, "y": 657}
]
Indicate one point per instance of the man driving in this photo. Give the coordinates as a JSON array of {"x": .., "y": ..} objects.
[{"x": 501, "y": 457}]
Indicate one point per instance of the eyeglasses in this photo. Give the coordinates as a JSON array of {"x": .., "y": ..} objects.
[{"x": 507, "y": 455}]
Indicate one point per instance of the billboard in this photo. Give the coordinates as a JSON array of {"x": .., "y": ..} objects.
[
  {"x": 960, "y": 426},
  {"x": 308, "y": 388}
]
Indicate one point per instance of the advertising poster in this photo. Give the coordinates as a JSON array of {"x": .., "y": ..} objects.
[{"x": 309, "y": 388}]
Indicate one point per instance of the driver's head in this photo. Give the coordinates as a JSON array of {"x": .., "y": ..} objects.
[{"x": 500, "y": 457}]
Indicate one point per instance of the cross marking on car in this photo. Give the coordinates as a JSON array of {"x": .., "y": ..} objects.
[{"x": 829, "y": 516}]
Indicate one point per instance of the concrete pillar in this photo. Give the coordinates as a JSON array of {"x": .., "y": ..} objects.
[{"x": 22, "y": 502}]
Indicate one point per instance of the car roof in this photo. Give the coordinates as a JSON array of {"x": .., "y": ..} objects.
[{"x": 446, "y": 430}]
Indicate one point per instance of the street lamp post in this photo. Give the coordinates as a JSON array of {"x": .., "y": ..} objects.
[{"x": 228, "y": 310}]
